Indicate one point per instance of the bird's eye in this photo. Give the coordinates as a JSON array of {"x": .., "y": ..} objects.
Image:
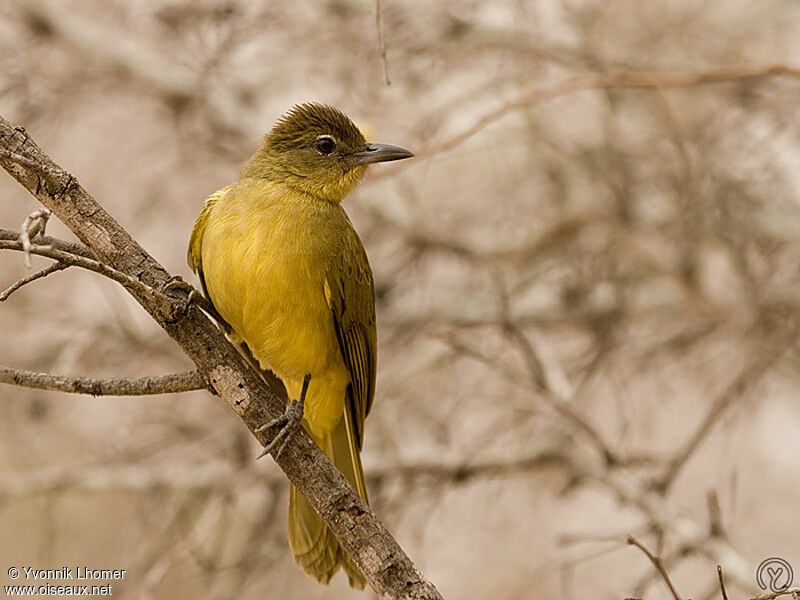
[{"x": 326, "y": 144}]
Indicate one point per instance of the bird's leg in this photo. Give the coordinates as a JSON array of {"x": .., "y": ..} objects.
[{"x": 288, "y": 422}]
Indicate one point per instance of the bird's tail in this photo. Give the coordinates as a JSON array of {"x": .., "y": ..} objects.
[{"x": 313, "y": 545}]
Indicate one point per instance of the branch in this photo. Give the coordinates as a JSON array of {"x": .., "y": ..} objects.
[
  {"x": 382, "y": 42},
  {"x": 686, "y": 533},
  {"x": 371, "y": 547},
  {"x": 657, "y": 563},
  {"x": 101, "y": 386},
  {"x": 745, "y": 380},
  {"x": 619, "y": 80},
  {"x": 33, "y": 225},
  {"x": 56, "y": 266},
  {"x": 90, "y": 264},
  {"x": 722, "y": 589},
  {"x": 136, "y": 477},
  {"x": 63, "y": 245},
  {"x": 130, "y": 477},
  {"x": 130, "y": 55},
  {"x": 627, "y": 80},
  {"x": 794, "y": 592}
]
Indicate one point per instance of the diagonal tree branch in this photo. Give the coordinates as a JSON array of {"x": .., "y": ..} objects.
[{"x": 383, "y": 562}]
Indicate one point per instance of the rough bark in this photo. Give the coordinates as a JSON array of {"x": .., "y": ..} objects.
[{"x": 390, "y": 573}]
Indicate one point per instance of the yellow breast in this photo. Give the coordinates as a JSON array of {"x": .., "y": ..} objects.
[{"x": 264, "y": 261}]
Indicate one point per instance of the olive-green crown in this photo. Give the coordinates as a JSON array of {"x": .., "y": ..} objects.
[{"x": 303, "y": 123}]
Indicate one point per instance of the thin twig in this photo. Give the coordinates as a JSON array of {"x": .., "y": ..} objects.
[
  {"x": 619, "y": 80},
  {"x": 793, "y": 592},
  {"x": 382, "y": 42},
  {"x": 33, "y": 225},
  {"x": 221, "y": 473},
  {"x": 56, "y": 266},
  {"x": 71, "y": 247},
  {"x": 106, "y": 386},
  {"x": 745, "y": 380},
  {"x": 722, "y": 583},
  {"x": 550, "y": 378},
  {"x": 715, "y": 526},
  {"x": 76, "y": 260},
  {"x": 630, "y": 80},
  {"x": 657, "y": 563}
]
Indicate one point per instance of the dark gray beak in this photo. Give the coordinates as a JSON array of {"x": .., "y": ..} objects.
[{"x": 380, "y": 153}]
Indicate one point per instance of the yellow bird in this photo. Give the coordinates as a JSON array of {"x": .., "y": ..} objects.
[{"x": 281, "y": 263}]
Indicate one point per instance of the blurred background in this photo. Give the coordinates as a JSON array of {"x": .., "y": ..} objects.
[{"x": 587, "y": 289}]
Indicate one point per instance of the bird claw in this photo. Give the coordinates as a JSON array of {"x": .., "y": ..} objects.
[
  {"x": 175, "y": 287},
  {"x": 176, "y": 284},
  {"x": 289, "y": 422}
]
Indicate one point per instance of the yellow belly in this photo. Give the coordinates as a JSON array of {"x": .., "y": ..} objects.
[{"x": 267, "y": 280}]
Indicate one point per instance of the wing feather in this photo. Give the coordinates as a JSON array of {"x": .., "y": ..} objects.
[
  {"x": 194, "y": 255},
  {"x": 352, "y": 301}
]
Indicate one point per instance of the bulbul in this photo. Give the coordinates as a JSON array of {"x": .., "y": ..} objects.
[{"x": 280, "y": 261}]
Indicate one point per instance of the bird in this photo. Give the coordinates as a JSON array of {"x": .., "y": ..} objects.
[{"x": 287, "y": 275}]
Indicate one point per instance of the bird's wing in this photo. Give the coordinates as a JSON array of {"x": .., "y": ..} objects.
[
  {"x": 194, "y": 255},
  {"x": 351, "y": 296}
]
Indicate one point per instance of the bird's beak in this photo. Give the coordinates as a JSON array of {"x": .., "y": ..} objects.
[{"x": 380, "y": 153}]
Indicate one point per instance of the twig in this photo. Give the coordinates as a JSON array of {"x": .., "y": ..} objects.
[
  {"x": 132, "y": 477},
  {"x": 657, "y": 563},
  {"x": 685, "y": 532},
  {"x": 70, "y": 259},
  {"x": 630, "y": 80},
  {"x": 549, "y": 376},
  {"x": 381, "y": 42},
  {"x": 715, "y": 526},
  {"x": 71, "y": 247},
  {"x": 722, "y": 589},
  {"x": 33, "y": 225},
  {"x": 621, "y": 80},
  {"x": 106, "y": 386},
  {"x": 133, "y": 57},
  {"x": 793, "y": 592},
  {"x": 56, "y": 266},
  {"x": 222, "y": 473},
  {"x": 748, "y": 377}
]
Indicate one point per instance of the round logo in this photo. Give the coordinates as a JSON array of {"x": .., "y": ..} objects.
[{"x": 774, "y": 574}]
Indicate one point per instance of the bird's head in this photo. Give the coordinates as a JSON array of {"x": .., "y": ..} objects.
[{"x": 316, "y": 149}]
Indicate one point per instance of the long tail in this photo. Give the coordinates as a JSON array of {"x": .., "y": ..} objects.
[{"x": 314, "y": 547}]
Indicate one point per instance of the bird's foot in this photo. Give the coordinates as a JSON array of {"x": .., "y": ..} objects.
[
  {"x": 288, "y": 423},
  {"x": 184, "y": 292},
  {"x": 175, "y": 287}
]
